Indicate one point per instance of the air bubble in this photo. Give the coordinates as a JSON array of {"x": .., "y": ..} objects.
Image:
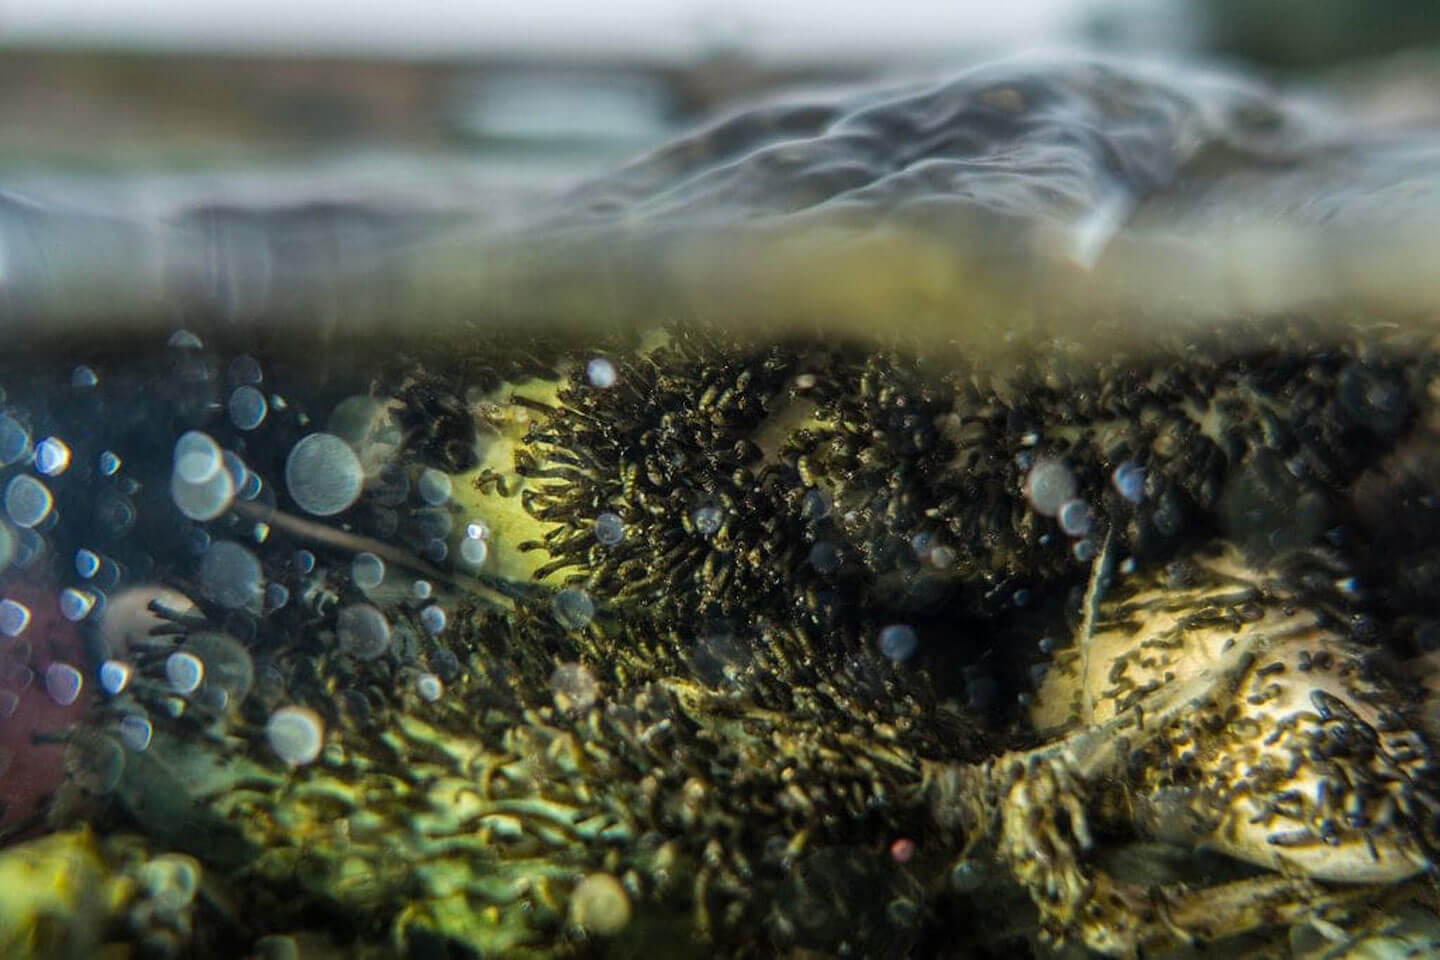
[
  {"x": 231, "y": 576},
  {"x": 433, "y": 487},
  {"x": 63, "y": 683},
  {"x": 247, "y": 408},
  {"x": 574, "y": 687},
  {"x": 75, "y": 605},
  {"x": 197, "y": 457},
  {"x": 109, "y": 463},
  {"x": 1129, "y": 480},
  {"x": 477, "y": 530},
  {"x": 296, "y": 734},
  {"x": 1049, "y": 484},
  {"x": 184, "y": 671},
  {"x": 276, "y": 596},
  {"x": 83, "y": 377},
  {"x": 429, "y": 687},
  {"x": 432, "y": 618},
  {"x": 52, "y": 457},
  {"x": 898, "y": 642},
  {"x": 435, "y": 550},
  {"x": 1084, "y": 550},
  {"x": 252, "y": 486},
  {"x": 323, "y": 474},
  {"x": 573, "y": 608},
  {"x": 600, "y": 906},
  {"x": 184, "y": 340},
  {"x": 1074, "y": 518},
  {"x": 814, "y": 506},
  {"x": 245, "y": 369},
  {"x": 363, "y": 631},
  {"x": 433, "y": 523},
  {"x": 367, "y": 571},
  {"x": 609, "y": 529},
  {"x": 227, "y": 666},
  {"x": 304, "y": 561},
  {"x": 707, "y": 520},
  {"x": 14, "y": 441},
  {"x": 824, "y": 557},
  {"x": 14, "y": 617},
  {"x": 114, "y": 677},
  {"x": 473, "y": 551},
  {"x": 600, "y": 372},
  {"x": 27, "y": 501},
  {"x": 87, "y": 563},
  {"x": 170, "y": 881},
  {"x": 422, "y": 589},
  {"x": 205, "y": 500},
  {"x": 135, "y": 731}
]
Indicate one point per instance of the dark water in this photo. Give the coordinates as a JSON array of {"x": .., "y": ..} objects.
[{"x": 985, "y": 518}]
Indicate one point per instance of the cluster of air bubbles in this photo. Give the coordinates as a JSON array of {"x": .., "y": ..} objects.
[
  {"x": 1129, "y": 480},
  {"x": 362, "y": 631},
  {"x": 184, "y": 672},
  {"x": 609, "y": 528},
  {"x": 323, "y": 474},
  {"x": 601, "y": 373},
  {"x": 1049, "y": 485},
  {"x": 247, "y": 407},
  {"x": 76, "y": 604},
  {"x": 367, "y": 571},
  {"x": 200, "y": 485},
  {"x": 27, "y": 501},
  {"x": 296, "y": 734},
  {"x": 52, "y": 457},
  {"x": 707, "y": 519},
  {"x": 573, "y": 608},
  {"x": 115, "y": 677},
  {"x": 474, "y": 547},
  {"x": 63, "y": 683},
  {"x": 432, "y": 618},
  {"x": 429, "y": 687},
  {"x": 14, "y": 441},
  {"x": 231, "y": 575},
  {"x": 14, "y": 617},
  {"x": 135, "y": 731},
  {"x": 433, "y": 487},
  {"x": 898, "y": 642}
]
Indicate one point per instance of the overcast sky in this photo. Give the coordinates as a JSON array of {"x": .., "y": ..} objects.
[{"x": 668, "y": 29}]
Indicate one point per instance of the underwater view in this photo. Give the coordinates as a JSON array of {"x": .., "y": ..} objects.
[{"x": 993, "y": 514}]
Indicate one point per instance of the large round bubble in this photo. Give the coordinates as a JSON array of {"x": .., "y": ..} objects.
[{"x": 323, "y": 474}]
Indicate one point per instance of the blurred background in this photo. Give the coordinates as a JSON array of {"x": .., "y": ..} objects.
[{"x": 334, "y": 98}]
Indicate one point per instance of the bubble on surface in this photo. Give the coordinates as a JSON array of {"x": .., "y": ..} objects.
[
  {"x": 135, "y": 731},
  {"x": 184, "y": 672},
  {"x": 94, "y": 761},
  {"x": 247, "y": 407},
  {"x": 323, "y": 475},
  {"x": 231, "y": 575},
  {"x": 609, "y": 528},
  {"x": 276, "y": 596},
  {"x": 707, "y": 520},
  {"x": 14, "y": 441},
  {"x": 600, "y": 906},
  {"x": 824, "y": 557},
  {"x": 1074, "y": 517},
  {"x": 227, "y": 665},
  {"x": 170, "y": 881},
  {"x": 429, "y": 687},
  {"x": 363, "y": 631},
  {"x": 14, "y": 617},
  {"x": 432, "y": 618},
  {"x": 473, "y": 552},
  {"x": 367, "y": 571},
  {"x": 27, "y": 501},
  {"x": 296, "y": 734},
  {"x": 63, "y": 683},
  {"x": 205, "y": 500},
  {"x": 601, "y": 373},
  {"x": 433, "y": 487},
  {"x": 87, "y": 563},
  {"x": 574, "y": 687},
  {"x": 1049, "y": 484},
  {"x": 422, "y": 589},
  {"x": 1129, "y": 480},
  {"x": 76, "y": 604},
  {"x": 898, "y": 642},
  {"x": 197, "y": 457},
  {"x": 109, "y": 463},
  {"x": 573, "y": 608},
  {"x": 52, "y": 457},
  {"x": 114, "y": 676},
  {"x": 83, "y": 377}
]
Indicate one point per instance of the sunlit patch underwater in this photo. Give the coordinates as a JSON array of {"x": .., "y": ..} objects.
[{"x": 749, "y": 630}]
